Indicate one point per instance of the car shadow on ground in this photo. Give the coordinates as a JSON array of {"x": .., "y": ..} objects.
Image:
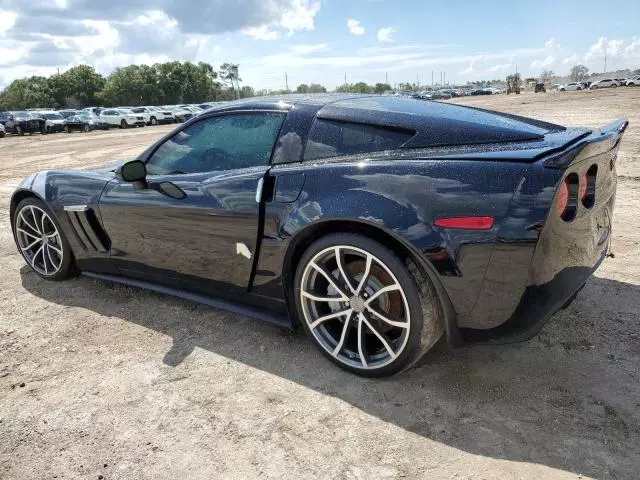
[{"x": 568, "y": 399}]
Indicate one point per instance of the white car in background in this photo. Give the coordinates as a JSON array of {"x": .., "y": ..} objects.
[
  {"x": 162, "y": 115},
  {"x": 634, "y": 82},
  {"x": 152, "y": 116},
  {"x": 119, "y": 117},
  {"x": 53, "y": 121},
  {"x": 570, "y": 87},
  {"x": 607, "y": 83}
]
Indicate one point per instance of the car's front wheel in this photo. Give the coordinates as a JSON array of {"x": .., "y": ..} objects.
[
  {"x": 41, "y": 241},
  {"x": 153, "y": 121},
  {"x": 86, "y": 128},
  {"x": 363, "y": 307},
  {"x": 124, "y": 124}
]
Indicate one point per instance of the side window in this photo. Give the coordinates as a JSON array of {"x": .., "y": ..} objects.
[
  {"x": 218, "y": 143},
  {"x": 332, "y": 139}
]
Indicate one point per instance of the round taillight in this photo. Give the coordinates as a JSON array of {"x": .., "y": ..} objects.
[{"x": 563, "y": 198}]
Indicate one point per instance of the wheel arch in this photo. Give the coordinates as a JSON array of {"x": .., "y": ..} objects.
[
  {"x": 404, "y": 250},
  {"x": 17, "y": 197}
]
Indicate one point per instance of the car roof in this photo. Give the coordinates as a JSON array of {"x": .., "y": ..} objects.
[{"x": 434, "y": 123}]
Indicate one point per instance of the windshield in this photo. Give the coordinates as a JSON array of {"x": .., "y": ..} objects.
[
  {"x": 52, "y": 116},
  {"x": 138, "y": 110}
]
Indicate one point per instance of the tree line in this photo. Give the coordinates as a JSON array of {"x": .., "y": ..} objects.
[{"x": 158, "y": 84}]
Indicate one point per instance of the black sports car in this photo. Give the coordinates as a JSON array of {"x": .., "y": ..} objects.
[
  {"x": 84, "y": 123},
  {"x": 24, "y": 122},
  {"x": 377, "y": 223}
]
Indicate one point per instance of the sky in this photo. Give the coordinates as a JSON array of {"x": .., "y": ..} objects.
[{"x": 322, "y": 41}]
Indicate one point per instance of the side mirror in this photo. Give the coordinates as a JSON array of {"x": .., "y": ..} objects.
[{"x": 133, "y": 171}]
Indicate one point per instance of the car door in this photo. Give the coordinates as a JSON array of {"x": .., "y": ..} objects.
[{"x": 196, "y": 226}]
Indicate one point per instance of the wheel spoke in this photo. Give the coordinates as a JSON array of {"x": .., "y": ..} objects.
[
  {"x": 37, "y": 240},
  {"x": 389, "y": 288},
  {"x": 342, "y": 271},
  {"x": 55, "y": 249},
  {"x": 53, "y": 264},
  {"x": 35, "y": 220},
  {"x": 365, "y": 275},
  {"x": 360, "y": 349},
  {"x": 387, "y": 320},
  {"x": 343, "y": 335},
  {"x": 317, "y": 298},
  {"x": 42, "y": 224},
  {"x": 27, "y": 233},
  {"x": 320, "y": 320},
  {"x": 330, "y": 280},
  {"x": 384, "y": 342},
  {"x": 24, "y": 220},
  {"x": 33, "y": 259}
]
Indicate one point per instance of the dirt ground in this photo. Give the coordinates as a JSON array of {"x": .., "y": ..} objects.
[{"x": 100, "y": 381}]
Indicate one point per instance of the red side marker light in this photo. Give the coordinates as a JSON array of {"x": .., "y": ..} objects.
[{"x": 466, "y": 223}]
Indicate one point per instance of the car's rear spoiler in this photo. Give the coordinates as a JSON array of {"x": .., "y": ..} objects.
[{"x": 598, "y": 141}]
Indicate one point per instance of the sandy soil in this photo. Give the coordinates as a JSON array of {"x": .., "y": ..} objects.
[{"x": 100, "y": 381}]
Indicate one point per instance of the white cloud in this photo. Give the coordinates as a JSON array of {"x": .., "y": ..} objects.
[
  {"x": 300, "y": 16},
  {"x": 7, "y": 20},
  {"x": 546, "y": 63},
  {"x": 470, "y": 68},
  {"x": 306, "y": 49},
  {"x": 551, "y": 44},
  {"x": 571, "y": 60},
  {"x": 385, "y": 35},
  {"x": 500, "y": 67},
  {"x": 261, "y": 33},
  {"x": 354, "y": 27},
  {"x": 633, "y": 49}
]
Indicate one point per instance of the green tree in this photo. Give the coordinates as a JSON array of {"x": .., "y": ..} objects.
[
  {"x": 78, "y": 87},
  {"x": 381, "y": 87},
  {"x": 33, "y": 92},
  {"x": 579, "y": 73},
  {"x": 230, "y": 76},
  {"x": 547, "y": 76},
  {"x": 302, "y": 88},
  {"x": 316, "y": 88}
]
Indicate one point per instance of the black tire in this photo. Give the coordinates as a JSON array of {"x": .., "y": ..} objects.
[
  {"x": 613, "y": 85},
  {"x": 2, "y": 134},
  {"x": 153, "y": 121},
  {"x": 68, "y": 267},
  {"x": 425, "y": 325},
  {"x": 578, "y": 89},
  {"x": 19, "y": 130},
  {"x": 86, "y": 128},
  {"x": 124, "y": 124},
  {"x": 594, "y": 87},
  {"x": 48, "y": 129},
  {"x": 67, "y": 129}
]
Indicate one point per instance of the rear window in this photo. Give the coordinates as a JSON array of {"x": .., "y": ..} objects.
[{"x": 333, "y": 139}]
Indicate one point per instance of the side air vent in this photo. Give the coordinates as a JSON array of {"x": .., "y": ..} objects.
[{"x": 88, "y": 231}]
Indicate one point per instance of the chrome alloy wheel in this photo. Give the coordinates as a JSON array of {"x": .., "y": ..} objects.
[
  {"x": 355, "y": 307},
  {"x": 39, "y": 240}
]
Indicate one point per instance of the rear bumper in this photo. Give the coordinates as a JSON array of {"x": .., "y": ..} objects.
[
  {"x": 538, "y": 304},
  {"x": 166, "y": 120}
]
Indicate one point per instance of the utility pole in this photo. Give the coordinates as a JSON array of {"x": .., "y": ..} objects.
[
  {"x": 386, "y": 78},
  {"x": 286, "y": 81},
  {"x": 345, "y": 78},
  {"x": 432, "y": 78},
  {"x": 444, "y": 81},
  {"x": 418, "y": 79},
  {"x": 605, "y": 59}
]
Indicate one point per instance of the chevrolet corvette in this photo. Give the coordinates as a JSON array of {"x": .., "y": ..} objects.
[{"x": 378, "y": 224}]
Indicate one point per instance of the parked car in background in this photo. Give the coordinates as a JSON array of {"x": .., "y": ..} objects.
[
  {"x": 53, "y": 121},
  {"x": 622, "y": 82},
  {"x": 606, "y": 83},
  {"x": 540, "y": 88},
  {"x": 67, "y": 113},
  {"x": 93, "y": 110},
  {"x": 179, "y": 113},
  {"x": 376, "y": 260},
  {"x": 154, "y": 115},
  {"x": 118, "y": 117},
  {"x": 3, "y": 117},
  {"x": 24, "y": 122},
  {"x": 84, "y": 122},
  {"x": 2, "y": 132},
  {"x": 571, "y": 87},
  {"x": 633, "y": 82}
]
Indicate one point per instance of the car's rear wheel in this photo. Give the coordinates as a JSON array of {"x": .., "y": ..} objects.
[
  {"x": 124, "y": 124},
  {"x": 19, "y": 130},
  {"x": 41, "y": 240},
  {"x": 86, "y": 128},
  {"x": 613, "y": 85},
  {"x": 153, "y": 121},
  {"x": 362, "y": 307},
  {"x": 67, "y": 129}
]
